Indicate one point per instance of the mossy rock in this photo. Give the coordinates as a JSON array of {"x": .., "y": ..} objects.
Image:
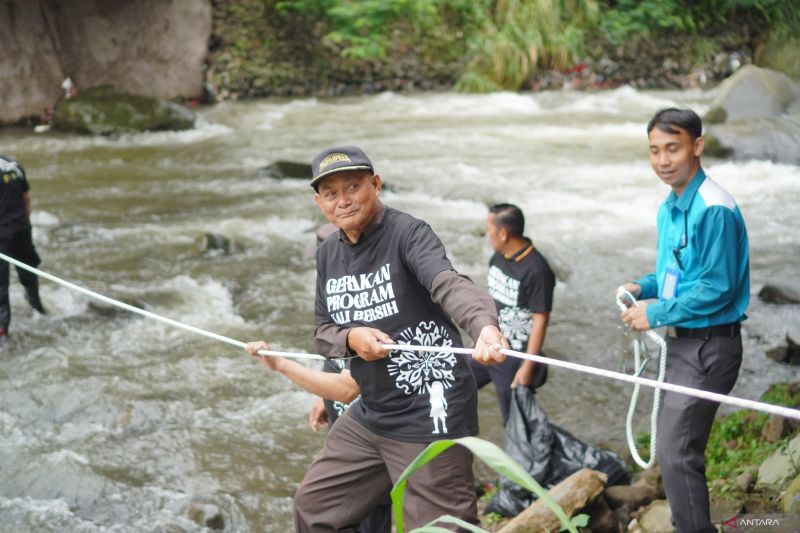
[
  {"x": 714, "y": 148},
  {"x": 106, "y": 110},
  {"x": 791, "y": 498}
]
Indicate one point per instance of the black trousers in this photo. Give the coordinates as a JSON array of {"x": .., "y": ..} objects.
[
  {"x": 16, "y": 243},
  {"x": 712, "y": 365},
  {"x": 502, "y": 375}
]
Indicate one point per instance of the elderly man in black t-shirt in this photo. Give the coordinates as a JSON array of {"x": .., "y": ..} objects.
[
  {"x": 384, "y": 277},
  {"x": 15, "y": 239}
]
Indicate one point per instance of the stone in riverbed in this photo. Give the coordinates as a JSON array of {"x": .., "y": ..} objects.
[
  {"x": 286, "y": 170},
  {"x": 755, "y": 115},
  {"x": 773, "y": 294},
  {"x": 106, "y": 110},
  {"x": 753, "y": 92},
  {"x": 788, "y": 353}
]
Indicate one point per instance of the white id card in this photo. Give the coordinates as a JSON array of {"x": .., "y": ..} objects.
[{"x": 671, "y": 277}]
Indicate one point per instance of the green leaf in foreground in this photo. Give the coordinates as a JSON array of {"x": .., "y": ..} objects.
[{"x": 493, "y": 456}]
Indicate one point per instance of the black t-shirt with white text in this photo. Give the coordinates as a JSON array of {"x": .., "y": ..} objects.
[
  {"x": 383, "y": 281},
  {"x": 520, "y": 285}
]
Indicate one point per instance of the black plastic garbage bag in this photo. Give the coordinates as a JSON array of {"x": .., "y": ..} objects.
[{"x": 549, "y": 454}]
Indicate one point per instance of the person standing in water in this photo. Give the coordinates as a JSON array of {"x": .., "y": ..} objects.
[
  {"x": 521, "y": 284},
  {"x": 16, "y": 239}
]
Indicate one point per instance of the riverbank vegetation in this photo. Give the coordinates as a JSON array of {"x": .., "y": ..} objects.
[{"x": 273, "y": 47}]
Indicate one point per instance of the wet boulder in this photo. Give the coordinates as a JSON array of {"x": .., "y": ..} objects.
[
  {"x": 773, "y": 294},
  {"x": 106, "y": 110},
  {"x": 286, "y": 170},
  {"x": 786, "y": 353},
  {"x": 753, "y": 92},
  {"x": 755, "y": 115},
  {"x": 214, "y": 244},
  {"x": 206, "y": 515}
]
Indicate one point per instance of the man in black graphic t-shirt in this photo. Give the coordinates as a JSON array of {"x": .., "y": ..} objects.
[
  {"x": 521, "y": 284},
  {"x": 385, "y": 278},
  {"x": 15, "y": 238}
]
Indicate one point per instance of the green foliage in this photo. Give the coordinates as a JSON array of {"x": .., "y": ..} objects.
[
  {"x": 517, "y": 37},
  {"x": 627, "y": 18},
  {"x": 495, "y": 458},
  {"x": 736, "y": 445},
  {"x": 364, "y": 28}
]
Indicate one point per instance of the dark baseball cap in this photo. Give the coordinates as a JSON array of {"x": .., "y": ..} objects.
[{"x": 338, "y": 159}]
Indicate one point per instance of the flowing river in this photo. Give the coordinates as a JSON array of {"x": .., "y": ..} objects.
[{"x": 113, "y": 422}]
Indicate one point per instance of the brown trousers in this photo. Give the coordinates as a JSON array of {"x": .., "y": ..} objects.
[{"x": 356, "y": 469}]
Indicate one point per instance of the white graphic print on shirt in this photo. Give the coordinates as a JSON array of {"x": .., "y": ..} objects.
[
  {"x": 361, "y": 298},
  {"x": 422, "y": 372},
  {"x": 341, "y": 407},
  {"x": 516, "y": 324},
  {"x": 502, "y": 288}
]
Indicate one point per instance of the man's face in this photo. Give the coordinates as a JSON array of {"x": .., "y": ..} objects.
[
  {"x": 675, "y": 156},
  {"x": 349, "y": 199},
  {"x": 493, "y": 233}
]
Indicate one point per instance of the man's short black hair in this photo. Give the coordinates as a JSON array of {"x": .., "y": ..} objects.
[
  {"x": 666, "y": 119},
  {"x": 510, "y": 217}
]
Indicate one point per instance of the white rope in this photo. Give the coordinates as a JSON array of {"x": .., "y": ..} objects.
[
  {"x": 697, "y": 393},
  {"x": 721, "y": 398},
  {"x": 638, "y": 347},
  {"x": 154, "y": 316}
]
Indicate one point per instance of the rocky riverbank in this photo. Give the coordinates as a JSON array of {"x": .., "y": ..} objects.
[
  {"x": 753, "y": 462},
  {"x": 256, "y": 50}
]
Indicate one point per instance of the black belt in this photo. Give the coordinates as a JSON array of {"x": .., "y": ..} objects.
[{"x": 731, "y": 330}]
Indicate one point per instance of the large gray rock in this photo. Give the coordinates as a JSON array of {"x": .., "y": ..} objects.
[
  {"x": 753, "y": 92},
  {"x": 755, "y": 115},
  {"x": 148, "y": 47},
  {"x": 775, "y": 474},
  {"x": 107, "y": 111}
]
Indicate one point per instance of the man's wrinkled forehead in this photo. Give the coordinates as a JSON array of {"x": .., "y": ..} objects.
[{"x": 343, "y": 178}]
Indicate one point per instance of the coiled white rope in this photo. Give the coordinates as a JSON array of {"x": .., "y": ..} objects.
[
  {"x": 721, "y": 398},
  {"x": 639, "y": 366}
]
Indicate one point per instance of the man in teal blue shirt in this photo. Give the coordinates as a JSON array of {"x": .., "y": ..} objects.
[{"x": 702, "y": 283}]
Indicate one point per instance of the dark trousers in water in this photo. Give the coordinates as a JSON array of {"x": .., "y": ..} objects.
[
  {"x": 17, "y": 243},
  {"x": 710, "y": 364},
  {"x": 356, "y": 469}
]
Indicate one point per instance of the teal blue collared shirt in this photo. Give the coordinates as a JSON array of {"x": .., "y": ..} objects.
[{"x": 702, "y": 237}]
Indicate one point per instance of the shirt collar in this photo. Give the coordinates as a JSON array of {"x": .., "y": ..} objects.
[
  {"x": 370, "y": 228},
  {"x": 683, "y": 201},
  {"x": 522, "y": 253}
]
